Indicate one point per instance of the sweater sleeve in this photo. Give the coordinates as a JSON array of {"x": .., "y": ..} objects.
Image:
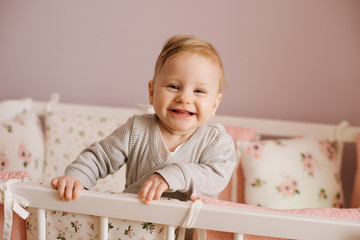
[
  {"x": 210, "y": 175},
  {"x": 102, "y": 158}
]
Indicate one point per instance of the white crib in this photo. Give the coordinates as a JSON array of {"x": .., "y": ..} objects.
[{"x": 173, "y": 213}]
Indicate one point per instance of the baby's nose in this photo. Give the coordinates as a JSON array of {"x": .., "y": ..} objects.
[{"x": 184, "y": 98}]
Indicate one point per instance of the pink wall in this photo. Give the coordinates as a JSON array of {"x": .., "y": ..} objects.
[{"x": 295, "y": 60}]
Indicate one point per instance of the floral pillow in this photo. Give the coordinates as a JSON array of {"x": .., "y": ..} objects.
[
  {"x": 68, "y": 134},
  {"x": 292, "y": 173},
  {"x": 9, "y": 109},
  {"x": 22, "y": 145}
]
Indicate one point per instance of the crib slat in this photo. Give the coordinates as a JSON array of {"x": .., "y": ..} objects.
[
  {"x": 170, "y": 232},
  {"x": 104, "y": 225},
  {"x": 41, "y": 224},
  {"x": 201, "y": 234},
  {"x": 238, "y": 236}
]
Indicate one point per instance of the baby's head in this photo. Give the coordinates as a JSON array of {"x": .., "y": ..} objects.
[
  {"x": 186, "y": 88},
  {"x": 188, "y": 44}
]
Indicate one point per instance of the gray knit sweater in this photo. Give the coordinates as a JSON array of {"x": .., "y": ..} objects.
[{"x": 202, "y": 166}]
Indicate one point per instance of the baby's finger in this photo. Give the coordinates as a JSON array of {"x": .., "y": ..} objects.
[
  {"x": 162, "y": 187},
  {"x": 61, "y": 188},
  {"x": 69, "y": 190},
  {"x": 151, "y": 193},
  {"x": 78, "y": 187},
  {"x": 54, "y": 183},
  {"x": 144, "y": 190}
]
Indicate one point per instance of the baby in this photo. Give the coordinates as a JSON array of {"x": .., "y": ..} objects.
[{"x": 175, "y": 152}]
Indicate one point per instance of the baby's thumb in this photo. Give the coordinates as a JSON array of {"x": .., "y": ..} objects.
[{"x": 54, "y": 183}]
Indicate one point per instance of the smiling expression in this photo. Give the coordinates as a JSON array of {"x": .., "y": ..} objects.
[{"x": 185, "y": 94}]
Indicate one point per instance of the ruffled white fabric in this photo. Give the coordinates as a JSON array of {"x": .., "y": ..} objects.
[{"x": 11, "y": 203}]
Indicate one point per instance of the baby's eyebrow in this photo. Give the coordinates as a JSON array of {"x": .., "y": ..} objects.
[
  {"x": 203, "y": 85},
  {"x": 172, "y": 78}
]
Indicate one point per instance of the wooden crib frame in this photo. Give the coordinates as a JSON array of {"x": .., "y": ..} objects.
[{"x": 173, "y": 213}]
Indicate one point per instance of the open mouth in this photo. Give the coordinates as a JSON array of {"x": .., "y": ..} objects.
[{"x": 182, "y": 112}]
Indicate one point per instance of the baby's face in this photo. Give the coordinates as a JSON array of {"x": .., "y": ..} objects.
[{"x": 185, "y": 94}]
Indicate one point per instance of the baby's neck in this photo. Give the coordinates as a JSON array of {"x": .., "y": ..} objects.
[{"x": 173, "y": 140}]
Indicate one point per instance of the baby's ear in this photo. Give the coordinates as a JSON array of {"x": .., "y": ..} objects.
[
  {"x": 217, "y": 102},
  {"x": 151, "y": 91}
]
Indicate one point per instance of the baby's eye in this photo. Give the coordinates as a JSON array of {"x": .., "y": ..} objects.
[
  {"x": 173, "y": 86},
  {"x": 200, "y": 91}
]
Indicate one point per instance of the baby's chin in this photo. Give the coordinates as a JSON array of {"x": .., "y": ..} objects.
[{"x": 181, "y": 128}]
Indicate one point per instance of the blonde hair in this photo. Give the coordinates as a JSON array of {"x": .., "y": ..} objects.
[{"x": 189, "y": 44}]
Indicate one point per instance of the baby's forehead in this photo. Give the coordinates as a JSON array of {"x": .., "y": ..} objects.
[
  {"x": 184, "y": 55},
  {"x": 189, "y": 55}
]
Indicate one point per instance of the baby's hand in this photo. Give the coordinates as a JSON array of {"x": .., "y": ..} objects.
[
  {"x": 69, "y": 188},
  {"x": 153, "y": 188}
]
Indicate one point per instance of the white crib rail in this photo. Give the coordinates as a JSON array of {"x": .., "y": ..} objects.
[{"x": 173, "y": 213}]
